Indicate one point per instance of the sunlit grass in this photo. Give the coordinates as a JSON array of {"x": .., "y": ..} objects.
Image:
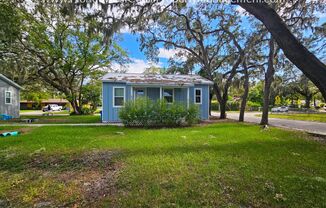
[
  {"x": 320, "y": 117},
  {"x": 219, "y": 165}
]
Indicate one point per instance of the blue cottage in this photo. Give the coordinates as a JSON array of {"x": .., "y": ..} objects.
[{"x": 121, "y": 87}]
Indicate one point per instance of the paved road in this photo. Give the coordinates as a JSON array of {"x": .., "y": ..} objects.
[{"x": 308, "y": 126}]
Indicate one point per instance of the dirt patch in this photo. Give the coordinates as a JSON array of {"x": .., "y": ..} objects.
[
  {"x": 215, "y": 119},
  {"x": 317, "y": 137},
  {"x": 78, "y": 180}
]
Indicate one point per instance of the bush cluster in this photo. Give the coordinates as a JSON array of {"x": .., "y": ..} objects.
[{"x": 144, "y": 112}]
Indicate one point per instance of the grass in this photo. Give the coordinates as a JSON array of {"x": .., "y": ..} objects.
[
  {"x": 28, "y": 111},
  {"x": 58, "y": 119},
  {"x": 320, "y": 117},
  {"x": 218, "y": 165},
  {"x": 40, "y": 111}
]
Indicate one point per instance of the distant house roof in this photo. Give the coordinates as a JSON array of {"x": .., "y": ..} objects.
[
  {"x": 48, "y": 101},
  {"x": 156, "y": 79},
  {"x": 12, "y": 83}
]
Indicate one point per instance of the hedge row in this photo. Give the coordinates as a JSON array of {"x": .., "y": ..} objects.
[{"x": 144, "y": 112}]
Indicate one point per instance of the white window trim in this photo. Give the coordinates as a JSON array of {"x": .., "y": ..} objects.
[
  {"x": 201, "y": 96},
  {"x": 166, "y": 88},
  {"x": 124, "y": 97},
  {"x": 7, "y": 97}
]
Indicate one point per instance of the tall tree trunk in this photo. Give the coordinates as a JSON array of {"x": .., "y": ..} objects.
[
  {"x": 245, "y": 94},
  {"x": 74, "y": 107},
  {"x": 223, "y": 109},
  {"x": 74, "y": 104},
  {"x": 299, "y": 55},
  {"x": 210, "y": 103},
  {"x": 220, "y": 100},
  {"x": 307, "y": 101},
  {"x": 269, "y": 76}
]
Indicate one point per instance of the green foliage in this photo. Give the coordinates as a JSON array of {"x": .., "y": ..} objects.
[
  {"x": 144, "y": 112},
  {"x": 230, "y": 106},
  {"x": 278, "y": 100},
  {"x": 253, "y": 104},
  {"x": 256, "y": 93},
  {"x": 87, "y": 111},
  {"x": 9, "y": 24},
  {"x": 64, "y": 51},
  {"x": 91, "y": 94}
]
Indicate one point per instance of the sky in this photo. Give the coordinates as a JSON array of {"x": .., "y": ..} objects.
[{"x": 129, "y": 42}]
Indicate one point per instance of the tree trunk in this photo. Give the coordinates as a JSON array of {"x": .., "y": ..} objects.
[
  {"x": 223, "y": 109},
  {"x": 307, "y": 101},
  {"x": 244, "y": 96},
  {"x": 210, "y": 103},
  {"x": 221, "y": 101},
  {"x": 307, "y": 62},
  {"x": 75, "y": 106},
  {"x": 269, "y": 75}
]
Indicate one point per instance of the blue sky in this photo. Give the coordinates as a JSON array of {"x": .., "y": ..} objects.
[{"x": 139, "y": 63}]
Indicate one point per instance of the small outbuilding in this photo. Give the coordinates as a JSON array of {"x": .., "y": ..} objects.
[
  {"x": 9, "y": 97},
  {"x": 121, "y": 87}
]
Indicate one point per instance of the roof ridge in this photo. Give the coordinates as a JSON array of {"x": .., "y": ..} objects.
[
  {"x": 168, "y": 79},
  {"x": 10, "y": 81}
]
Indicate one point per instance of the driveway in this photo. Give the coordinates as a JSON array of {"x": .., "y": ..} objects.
[{"x": 307, "y": 126}]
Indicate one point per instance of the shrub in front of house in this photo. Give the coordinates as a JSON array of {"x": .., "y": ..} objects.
[{"x": 144, "y": 112}]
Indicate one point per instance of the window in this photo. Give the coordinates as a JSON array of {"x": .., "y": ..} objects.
[
  {"x": 118, "y": 96},
  {"x": 198, "y": 95},
  {"x": 168, "y": 95},
  {"x": 8, "y": 97},
  {"x": 140, "y": 93}
]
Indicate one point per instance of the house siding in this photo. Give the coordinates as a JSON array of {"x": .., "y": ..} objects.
[
  {"x": 180, "y": 95},
  {"x": 9, "y": 109},
  {"x": 153, "y": 93},
  {"x": 111, "y": 114}
]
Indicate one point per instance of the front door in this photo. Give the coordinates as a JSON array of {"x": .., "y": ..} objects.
[{"x": 139, "y": 92}]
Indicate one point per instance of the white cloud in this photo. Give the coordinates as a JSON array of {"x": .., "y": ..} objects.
[
  {"x": 320, "y": 15},
  {"x": 136, "y": 66},
  {"x": 125, "y": 29},
  {"x": 169, "y": 53}
]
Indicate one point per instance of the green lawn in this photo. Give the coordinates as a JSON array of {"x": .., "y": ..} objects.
[
  {"x": 27, "y": 111},
  {"x": 54, "y": 112},
  {"x": 218, "y": 165},
  {"x": 58, "y": 119},
  {"x": 320, "y": 117}
]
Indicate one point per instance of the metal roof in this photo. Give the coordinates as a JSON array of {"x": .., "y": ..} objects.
[
  {"x": 10, "y": 82},
  {"x": 156, "y": 79}
]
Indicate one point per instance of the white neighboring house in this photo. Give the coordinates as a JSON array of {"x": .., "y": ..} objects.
[{"x": 9, "y": 97}]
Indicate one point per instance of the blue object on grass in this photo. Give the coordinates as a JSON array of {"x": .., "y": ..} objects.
[
  {"x": 13, "y": 133},
  {"x": 5, "y": 117}
]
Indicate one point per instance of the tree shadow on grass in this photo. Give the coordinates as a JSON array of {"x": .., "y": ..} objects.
[{"x": 62, "y": 180}]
